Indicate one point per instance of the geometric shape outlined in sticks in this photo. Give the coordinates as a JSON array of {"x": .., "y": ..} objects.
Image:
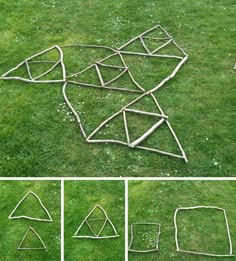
[
  {"x": 49, "y": 219},
  {"x": 37, "y": 236},
  {"x": 203, "y": 253},
  {"x": 36, "y": 79},
  {"x": 162, "y": 41},
  {"x": 156, "y": 248},
  {"x": 96, "y": 235}
]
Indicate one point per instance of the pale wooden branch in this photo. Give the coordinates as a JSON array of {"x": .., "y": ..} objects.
[
  {"x": 73, "y": 110},
  {"x": 104, "y": 87},
  {"x": 147, "y": 133},
  {"x": 126, "y": 127},
  {"x": 147, "y": 113},
  {"x": 152, "y": 55},
  {"x": 117, "y": 77},
  {"x": 99, "y": 75},
  {"x": 144, "y": 45}
]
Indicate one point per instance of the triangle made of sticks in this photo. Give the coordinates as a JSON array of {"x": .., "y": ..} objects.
[
  {"x": 37, "y": 236},
  {"x": 49, "y": 219},
  {"x": 33, "y": 60},
  {"x": 96, "y": 235}
]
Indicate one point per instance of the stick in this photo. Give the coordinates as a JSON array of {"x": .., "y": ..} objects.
[
  {"x": 103, "y": 87},
  {"x": 146, "y": 134},
  {"x": 99, "y": 75},
  {"x": 170, "y": 76},
  {"x": 159, "y": 48},
  {"x": 147, "y": 113},
  {"x": 73, "y": 110},
  {"x": 126, "y": 128},
  {"x": 144, "y": 45},
  {"x": 117, "y": 77},
  {"x": 152, "y": 55}
]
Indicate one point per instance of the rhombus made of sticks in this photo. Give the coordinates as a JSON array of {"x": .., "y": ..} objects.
[{"x": 161, "y": 117}]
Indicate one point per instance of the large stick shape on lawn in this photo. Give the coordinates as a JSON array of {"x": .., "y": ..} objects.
[{"x": 154, "y": 43}]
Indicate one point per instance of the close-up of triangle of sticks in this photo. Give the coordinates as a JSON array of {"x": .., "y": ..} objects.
[{"x": 104, "y": 75}]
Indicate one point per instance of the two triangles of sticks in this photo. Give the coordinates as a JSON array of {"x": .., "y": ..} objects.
[
  {"x": 154, "y": 42},
  {"x": 31, "y": 239}
]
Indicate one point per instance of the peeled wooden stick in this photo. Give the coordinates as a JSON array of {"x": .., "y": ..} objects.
[
  {"x": 48, "y": 71},
  {"x": 152, "y": 55},
  {"x": 163, "y": 30},
  {"x": 177, "y": 141},
  {"x": 84, "y": 70},
  {"x": 30, "y": 81},
  {"x": 157, "y": 104},
  {"x": 144, "y": 45},
  {"x": 99, "y": 75},
  {"x": 156, "y": 38},
  {"x": 117, "y": 77},
  {"x": 32, "y": 62},
  {"x": 181, "y": 49},
  {"x": 126, "y": 128},
  {"x": 28, "y": 70},
  {"x": 160, "y": 152},
  {"x": 73, "y": 110},
  {"x": 159, "y": 48},
  {"x": 110, "y": 66},
  {"x": 147, "y": 113},
  {"x": 104, "y": 87},
  {"x": 107, "y": 141},
  {"x": 146, "y": 134},
  {"x": 170, "y": 76},
  {"x": 62, "y": 62}
]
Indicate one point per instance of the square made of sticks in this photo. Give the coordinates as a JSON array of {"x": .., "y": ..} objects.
[
  {"x": 144, "y": 237},
  {"x": 202, "y": 230}
]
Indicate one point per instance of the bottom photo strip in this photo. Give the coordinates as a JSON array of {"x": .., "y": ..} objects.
[{"x": 125, "y": 219}]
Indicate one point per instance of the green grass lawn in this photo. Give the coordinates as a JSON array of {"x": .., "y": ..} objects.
[
  {"x": 80, "y": 198},
  {"x": 13, "y": 230},
  {"x": 202, "y": 230},
  {"x": 38, "y": 138}
]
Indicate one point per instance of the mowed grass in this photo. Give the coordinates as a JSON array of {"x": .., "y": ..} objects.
[
  {"x": 13, "y": 230},
  {"x": 80, "y": 198},
  {"x": 200, "y": 230},
  {"x": 38, "y": 136}
]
